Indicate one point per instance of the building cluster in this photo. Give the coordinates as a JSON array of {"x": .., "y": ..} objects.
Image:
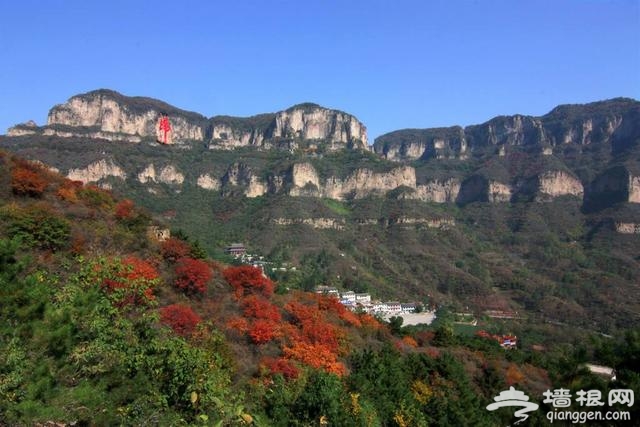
[
  {"x": 506, "y": 341},
  {"x": 239, "y": 252},
  {"x": 362, "y": 301}
]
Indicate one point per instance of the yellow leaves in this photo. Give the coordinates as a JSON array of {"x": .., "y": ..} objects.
[
  {"x": 355, "y": 404},
  {"x": 421, "y": 391}
]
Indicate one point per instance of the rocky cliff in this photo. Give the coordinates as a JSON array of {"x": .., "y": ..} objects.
[
  {"x": 613, "y": 122},
  {"x": 106, "y": 114},
  {"x": 287, "y": 129}
]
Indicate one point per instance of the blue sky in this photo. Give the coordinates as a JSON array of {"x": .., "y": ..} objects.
[{"x": 393, "y": 64}]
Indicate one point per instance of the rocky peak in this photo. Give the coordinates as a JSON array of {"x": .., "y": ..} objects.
[
  {"x": 614, "y": 122},
  {"x": 289, "y": 128},
  {"x": 111, "y": 112}
]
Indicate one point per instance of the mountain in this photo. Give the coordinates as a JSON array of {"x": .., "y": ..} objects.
[
  {"x": 107, "y": 114},
  {"x": 535, "y": 215}
]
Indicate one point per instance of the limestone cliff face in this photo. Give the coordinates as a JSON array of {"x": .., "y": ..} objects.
[
  {"x": 318, "y": 223},
  {"x": 478, "y": 188},
  {"x": 558, "y": 183},
  {"x": 364, "y": 182},
  {"x": 97, "y": 171},
  {"x": 613, "y": 122},
  {"x": 439, "y": 191},
  {"x": 627, "y": 227},
  {"x": 285, "y": 129},
  {"x": 168, "y": 174},
  {"x": 634, "y": 189},
  {"x": 309, "y": 121},
  {"x": 208, "y": 182},
  {"x": 413, "y": 144},
  {"x": 109, "y": 112},
  {"x": 614, "y": 185},
  {"x": 360, "y": 183}
]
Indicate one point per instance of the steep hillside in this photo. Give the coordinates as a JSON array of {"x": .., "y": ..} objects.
[
  {"x": 535, "y": 215},
  {"x": 104, "y": 321}
]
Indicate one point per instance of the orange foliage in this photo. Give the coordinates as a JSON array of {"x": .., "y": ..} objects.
[
  {"x": 315, "y": 355},
  {"x": 181, "y": 318},
  {"x": 27, "y": 181},
  {"x": 124, "y": 209},
  {"x": 239, "y": 324},
  {"x": 513, "y": 375},
  {"x": 262, "y": 331},
  {"x": 192, "y": 275},
  {"x": 173, "y": 249},
  {"x": 408, "y": 340},
  {"x": 247, "y": 280},
  {"x": 260, "y": 308},
  {"x": 368, "y": 321}
]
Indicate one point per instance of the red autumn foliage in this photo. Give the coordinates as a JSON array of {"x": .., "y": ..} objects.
[
  {"x": 136, "y": 277},
  {"x": 301, "y": 312},
  {"x": 173, "y": 249},
  {"x": 27, "y": 181},
  {"x": 124, "y": 209},
  {"x": 262, "y": 331},
  {"x": 331, "y": 304},
  {"x": 181, "y": 318},
  {"x": 192, "y": 275},
  {"x": 239, "y": 324},
  {"x": 281, "y": 366},
  {"x": 260, "y": 308},
  {"x": 247, "y": 280}
]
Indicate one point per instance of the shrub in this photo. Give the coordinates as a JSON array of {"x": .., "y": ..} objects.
[
  {"x": 248, "y": 280},
  {"x": 130, "y": 281},
  {"x": 281, "y": 366},
  {"x": 260, "y": 308},
  {"x": 192, "y": 275},
  {"x": 124, "y": 209},
  {"x": 173, "y": 249},
  {"x": 181, "y": 318},
  {"x": 27, "y": 181},
  {"x": 262, "y": 331},
  {"x": 39, "y": 227}
]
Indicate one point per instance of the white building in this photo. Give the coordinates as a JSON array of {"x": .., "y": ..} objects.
[{"x": 363, "y": 299}]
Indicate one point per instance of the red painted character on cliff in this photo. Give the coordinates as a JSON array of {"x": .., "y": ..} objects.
[{"x": 165, "y": 127}]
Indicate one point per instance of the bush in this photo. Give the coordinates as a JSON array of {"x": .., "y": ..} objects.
[
  {"x": 192, "y": 275},
  {"x": 181, "y": 318},
  {"x": 173, "y": 249},
  {"x": 248, "y": 280},
  {"x": 131, "y": 281},
  {"x": 27, "y": 181},
  {"x": 38, "y": 227}
]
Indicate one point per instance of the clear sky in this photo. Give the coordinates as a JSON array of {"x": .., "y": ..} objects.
[{"x": 393, "y": 64}]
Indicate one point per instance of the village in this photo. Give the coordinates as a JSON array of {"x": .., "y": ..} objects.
[{"x": 412, "y": 313}]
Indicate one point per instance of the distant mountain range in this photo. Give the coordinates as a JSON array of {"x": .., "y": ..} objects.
[{"x": 500, "y": 215}]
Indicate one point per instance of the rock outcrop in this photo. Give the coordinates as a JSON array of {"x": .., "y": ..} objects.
[
  {"x": 166, "y": 175},
  {"x": 286, "y": 129},
  {"x": 558, "y": 183},
  {"x": 612, "y": 122},
  {"x": 114, "y": 114},
  {"x": 109, "y": 115},
  {"x": 207, "y": 182},
  {"x": 97, "y": 171}
]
